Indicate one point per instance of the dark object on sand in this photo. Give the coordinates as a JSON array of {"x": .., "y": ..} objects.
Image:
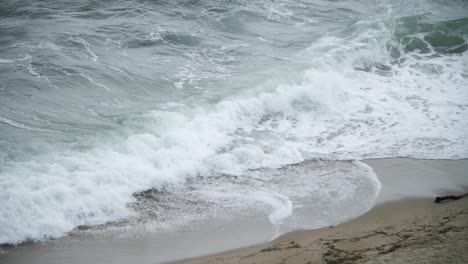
[{"x": 439, "y": 199}]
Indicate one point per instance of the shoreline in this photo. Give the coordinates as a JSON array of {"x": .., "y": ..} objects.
[
  {"x": 392, "y": 231},
  {"x": 399, "y": 178},
  {"x": 402, "y": 180}
]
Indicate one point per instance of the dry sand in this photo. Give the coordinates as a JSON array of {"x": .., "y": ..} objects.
[{"x": 409, "y": 231}]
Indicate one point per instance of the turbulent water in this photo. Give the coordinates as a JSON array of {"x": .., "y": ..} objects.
[{"x": 202, "y": 106}]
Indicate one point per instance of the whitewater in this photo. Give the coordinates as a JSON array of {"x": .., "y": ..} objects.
[{"x": 159, "y": 115}]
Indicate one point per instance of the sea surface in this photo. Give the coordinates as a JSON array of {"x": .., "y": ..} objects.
[{"x": 159, "y": 115}]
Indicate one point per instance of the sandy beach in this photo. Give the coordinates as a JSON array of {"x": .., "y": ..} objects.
[
  {"x": 405, "y": 226},
  {"x": 233, "y": 131},
  {"x": 398, "y": 230},
  {"x": 408, "y": 231}
]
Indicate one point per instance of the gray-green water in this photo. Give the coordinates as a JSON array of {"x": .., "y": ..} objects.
[{"x": 100, "y": 100}]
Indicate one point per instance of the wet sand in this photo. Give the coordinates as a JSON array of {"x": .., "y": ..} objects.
[
  {"x": 409, "y": 231},
  {"x": 400, "y": 228}
]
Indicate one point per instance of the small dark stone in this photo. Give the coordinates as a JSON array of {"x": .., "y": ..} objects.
[{"x": 439, "y": 199}]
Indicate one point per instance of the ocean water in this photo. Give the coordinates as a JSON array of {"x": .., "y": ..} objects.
[{"x": 161, "y": 114}]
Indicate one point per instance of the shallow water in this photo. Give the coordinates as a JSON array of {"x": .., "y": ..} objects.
[
  {"x": 206, "y": 103},
  {"x": 144, "y": 241}
]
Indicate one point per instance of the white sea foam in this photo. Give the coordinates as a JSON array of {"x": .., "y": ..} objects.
[
  {"x": 6, "y": 61},
  {"x": 23, "y": 126},
  {"x": 87, "y": 46},
  {"x": 50, "y": 196},
  {"x": 356, "y": 101},
  {"x": 330, "y": 114}
]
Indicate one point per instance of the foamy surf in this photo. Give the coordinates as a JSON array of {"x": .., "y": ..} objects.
[{"x": 217, "y": 113}]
